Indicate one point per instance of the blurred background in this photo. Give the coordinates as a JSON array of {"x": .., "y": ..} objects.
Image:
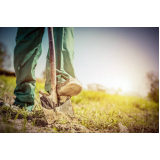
[{"x": 122, "y": 61}]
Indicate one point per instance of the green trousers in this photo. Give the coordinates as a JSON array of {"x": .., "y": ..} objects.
[{"x": 26, "y": 53}]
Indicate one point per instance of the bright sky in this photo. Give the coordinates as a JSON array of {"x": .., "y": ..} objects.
[{"x": 113, "y": 57}]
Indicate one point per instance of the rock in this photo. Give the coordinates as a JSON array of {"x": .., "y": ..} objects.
[
  {"x": 4, "y": 104},
  {"x": 122, "y": 128},
  {"x": 49, "y": 125},
  {"x": 2, "y": 86}
]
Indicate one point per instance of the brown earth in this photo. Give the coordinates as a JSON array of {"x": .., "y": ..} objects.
[{"x": 7, "y": 73}]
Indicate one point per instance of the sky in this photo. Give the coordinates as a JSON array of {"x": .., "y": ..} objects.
[{"x": 113, "y": 57}]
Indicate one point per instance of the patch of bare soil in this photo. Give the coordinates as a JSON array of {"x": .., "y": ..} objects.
[
  {"x": 36, "y": 123},
  {"x": 21, "y": 125},
  {"x": 143, "y": 129}
]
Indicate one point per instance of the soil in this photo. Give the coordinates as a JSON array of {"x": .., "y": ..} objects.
[
  {"x": 36, "y": 123},
  {"x": 39, "y": 125}
]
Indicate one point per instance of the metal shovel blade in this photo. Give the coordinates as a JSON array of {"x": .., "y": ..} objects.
[
  {"x": 51, "y": 113},
  {"x": 47, "y": 106},
  {"x": 65, "y": 106}
]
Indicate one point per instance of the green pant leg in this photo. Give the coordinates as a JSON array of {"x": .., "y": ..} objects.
[
  {"x": 26, "y": 53},
  {"x": 64, "y": 48}
]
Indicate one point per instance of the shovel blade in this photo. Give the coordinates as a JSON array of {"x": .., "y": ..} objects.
[
  {"x": 50, "y": 115},
  {"x": 48, "y": 107},
  {"x": 51, "y": 112},
  {"x": 65, "y": 106}
]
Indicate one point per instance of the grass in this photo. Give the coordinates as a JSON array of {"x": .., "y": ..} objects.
[
  {"x": 98, "y": 111},
  {"x": 101, "y": 111}
]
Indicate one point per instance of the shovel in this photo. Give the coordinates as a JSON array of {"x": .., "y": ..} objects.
[{"x": 52, "y": 104}]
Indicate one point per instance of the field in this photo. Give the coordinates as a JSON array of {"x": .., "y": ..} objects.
[{"x": 96, "y": 112}]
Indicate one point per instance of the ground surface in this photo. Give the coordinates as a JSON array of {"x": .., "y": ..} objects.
[{"x": 95, "y": 112}]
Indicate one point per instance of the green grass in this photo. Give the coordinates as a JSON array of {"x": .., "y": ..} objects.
[{"x": 102, "y": 112}]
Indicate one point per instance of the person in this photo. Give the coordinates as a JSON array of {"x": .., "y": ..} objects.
[{"x": 26, "y": 53}]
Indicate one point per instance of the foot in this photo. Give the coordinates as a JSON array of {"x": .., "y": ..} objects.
[{"x": 70, "y": 87}]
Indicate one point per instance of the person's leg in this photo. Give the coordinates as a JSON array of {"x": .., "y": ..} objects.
[
  {"x": 64, "y": 48},
  {"x": 26, "y": 53}
]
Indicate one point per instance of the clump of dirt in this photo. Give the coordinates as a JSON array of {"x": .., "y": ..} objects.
[{"x": 122, "y": 128}]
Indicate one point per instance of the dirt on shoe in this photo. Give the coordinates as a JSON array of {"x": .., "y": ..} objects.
[{"x": 71, "y": 87}]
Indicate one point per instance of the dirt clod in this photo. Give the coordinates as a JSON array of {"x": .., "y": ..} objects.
[{"x": 122, "y": 128}]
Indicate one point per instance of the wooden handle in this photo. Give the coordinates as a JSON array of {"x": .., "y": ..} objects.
[
  {"x": 52, "y": 59},
  {"x": 52, "y": 67}
]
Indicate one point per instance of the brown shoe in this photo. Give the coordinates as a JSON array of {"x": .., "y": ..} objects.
[{"x": 70, "y": 87}]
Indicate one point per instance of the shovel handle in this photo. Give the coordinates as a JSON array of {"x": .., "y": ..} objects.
[{"x": 52, "y": 60}]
